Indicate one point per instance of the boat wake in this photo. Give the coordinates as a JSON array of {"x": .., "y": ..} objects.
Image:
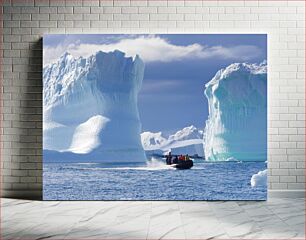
[
  {"x": 157, "y": 164},
  {"x": 153, "y": 164}
]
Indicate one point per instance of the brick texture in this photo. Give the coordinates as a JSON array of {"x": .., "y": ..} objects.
[{"x": 25, "y": 22}]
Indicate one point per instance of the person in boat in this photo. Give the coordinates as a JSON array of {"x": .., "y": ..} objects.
[
  {"x": 175, "y": 160},
  {"x": 181, "y": 158},
  {"x": 169, "y": 158},
  {"x": 187, "y": 158}
]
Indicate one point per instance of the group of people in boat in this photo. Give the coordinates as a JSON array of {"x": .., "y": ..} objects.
[{"x": 176, "y": 159}]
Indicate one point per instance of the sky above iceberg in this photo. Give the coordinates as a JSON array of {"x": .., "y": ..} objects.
[{"x": 177, "y": 68}]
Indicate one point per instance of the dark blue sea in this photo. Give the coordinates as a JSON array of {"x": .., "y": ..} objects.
[{"x": 152, "y": 181}]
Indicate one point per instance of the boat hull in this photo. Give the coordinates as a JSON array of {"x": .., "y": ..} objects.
[{"x": 183, "y": 165}]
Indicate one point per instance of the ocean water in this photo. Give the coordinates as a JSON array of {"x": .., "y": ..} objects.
[{"x": 152, "y": 181}]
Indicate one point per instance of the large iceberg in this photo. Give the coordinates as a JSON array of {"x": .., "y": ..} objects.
[
  {"x": 188, "y": 140},
  {"x": 237, "y": 122},
  {"x": 90, "y": 108}
]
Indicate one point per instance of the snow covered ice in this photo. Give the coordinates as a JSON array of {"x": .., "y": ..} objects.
[
  {"x": 237, "y": 122},
  {"x": 86, "y": 135},
  {"x": 90, "y": 108},
  {"x": 189, "y": 140},
  {"x": 259, "y": 179}
]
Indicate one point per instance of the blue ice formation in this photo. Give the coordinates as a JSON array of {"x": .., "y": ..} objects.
[
  {"x": 90, "y": 108},
  {"x": 237, "y": 123}
]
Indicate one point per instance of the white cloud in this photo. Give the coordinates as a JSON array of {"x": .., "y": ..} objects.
[{"x": 154, "y": 49}]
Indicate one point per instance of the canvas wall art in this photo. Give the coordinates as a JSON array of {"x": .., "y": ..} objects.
[{"x": 155, "y": 117}]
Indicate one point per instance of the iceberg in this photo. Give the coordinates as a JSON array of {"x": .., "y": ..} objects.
[
  {"x": 90, "y": 108},
  {"x": 86, "y": 135},
  {"x": 237, "y": 123},
  {"x": 259, "y": 179},
  {"x": 188, "y": 140}
]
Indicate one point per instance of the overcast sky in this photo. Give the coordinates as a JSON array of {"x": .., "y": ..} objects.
[{"x": 177, "y": 68}]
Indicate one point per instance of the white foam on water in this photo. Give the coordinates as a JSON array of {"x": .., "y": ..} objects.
[
  {"x": 157, "y": 164},
  {"x": 154, "y": 164}
]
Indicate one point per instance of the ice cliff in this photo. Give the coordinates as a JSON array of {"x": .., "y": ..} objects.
[
  {"x": 187, "y": 140},
  {"x": 237, "y": 122},
  {"x": 90, "y": 108}
]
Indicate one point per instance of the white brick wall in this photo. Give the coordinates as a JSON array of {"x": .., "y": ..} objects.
[{"x": 24, "y": 22}]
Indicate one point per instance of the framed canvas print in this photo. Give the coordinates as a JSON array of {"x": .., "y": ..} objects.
[{"x": 155, "y": 117}]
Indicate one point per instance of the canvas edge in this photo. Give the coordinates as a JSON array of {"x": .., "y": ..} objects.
[{"x": 38, "y": 194}]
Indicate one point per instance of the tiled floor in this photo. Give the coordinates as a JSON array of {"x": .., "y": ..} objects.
[{"x": 274, "y": 219}]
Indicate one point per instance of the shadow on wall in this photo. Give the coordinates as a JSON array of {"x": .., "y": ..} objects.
[{"x": 29, "y": 146}]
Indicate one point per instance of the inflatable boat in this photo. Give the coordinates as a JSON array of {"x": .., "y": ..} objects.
[{"x": 183, "y": 165}]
